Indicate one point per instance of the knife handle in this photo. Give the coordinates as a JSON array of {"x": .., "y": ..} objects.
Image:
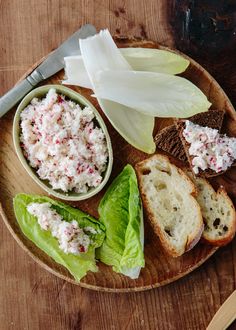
[{"x": 14, "y": 95}]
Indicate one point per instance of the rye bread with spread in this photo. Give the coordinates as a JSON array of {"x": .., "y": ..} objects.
[
  {"x": 168, "y": 138},
  {"x": 207, "y": 173}
]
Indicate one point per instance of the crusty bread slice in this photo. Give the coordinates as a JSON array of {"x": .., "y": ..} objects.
[
  {"x": 218, "y": 212},
  {"x": 168, "y": 198},
  {"x": 168, "y": 138}
]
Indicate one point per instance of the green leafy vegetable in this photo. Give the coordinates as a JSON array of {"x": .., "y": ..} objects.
[
  {"x": 152, "y": 93},
  {"x": 155, "y": 60},
  {"x": 140, "y": 59},
  {"x": 77, "y": 265},
  {"x": 121, "y": 212}
]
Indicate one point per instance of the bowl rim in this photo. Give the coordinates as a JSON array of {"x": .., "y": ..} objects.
[{"x": 77, "y": 97}]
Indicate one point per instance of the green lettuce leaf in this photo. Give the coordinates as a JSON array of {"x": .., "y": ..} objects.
[
  {"x": 77, "y": 265},
  {"x": 121, "y": 212}
]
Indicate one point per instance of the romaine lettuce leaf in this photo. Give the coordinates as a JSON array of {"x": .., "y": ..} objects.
[
  {"x": 121, "y": 212},
  {"x": 78, "y": 266}
]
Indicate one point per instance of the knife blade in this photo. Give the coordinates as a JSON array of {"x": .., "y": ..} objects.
[
  {"x": 225, "y": 315},
  {"x": 51, "y": 65}
]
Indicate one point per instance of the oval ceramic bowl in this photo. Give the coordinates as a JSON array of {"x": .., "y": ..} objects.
[{"x": 44, "y": 184}]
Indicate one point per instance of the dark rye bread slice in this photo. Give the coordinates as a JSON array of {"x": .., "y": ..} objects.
[
  {"x": 169, "y": 141},
  {"x": 168, "y": 138}
]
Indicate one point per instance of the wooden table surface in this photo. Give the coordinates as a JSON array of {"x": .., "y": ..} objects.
[{"x": 30, "y": 297}]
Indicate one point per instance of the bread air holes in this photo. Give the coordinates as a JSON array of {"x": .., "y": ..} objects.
[
  {"x": 216, "y": 222},
  {"x": 160, "y": 186},
  {"x": 200, "y": 187},
  {"x": 146, "y": 171},
  {"x": 163, "y": 170},
  {"x": 206, "y": 228},
  {"x": 168, "y": 231},
  {"x": 179, "y": 197},
  {"x": 222, "y": 211},
  {"x": 167, "y": 205}
]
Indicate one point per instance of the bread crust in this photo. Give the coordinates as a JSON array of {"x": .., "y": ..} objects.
[
  {"x": 191, "y": 243},
  {"x": 192, "y": 239},
  {"x": 231, "y": 233},
  {"x": 221, "y": 192}
]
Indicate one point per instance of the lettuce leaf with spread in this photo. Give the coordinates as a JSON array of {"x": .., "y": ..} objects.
[
  {"x": 121, "y": 212},
  {"x": 77, "y": 265}
]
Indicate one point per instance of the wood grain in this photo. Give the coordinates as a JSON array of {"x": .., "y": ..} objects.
[
  {"x": 160, "y": 269},
  {"x": 32, "y": 298}
]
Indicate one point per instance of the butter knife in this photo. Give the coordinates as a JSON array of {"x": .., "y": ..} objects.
[
  {"x": 52, "y": 64},
  {"x": 225, "y": 315}
]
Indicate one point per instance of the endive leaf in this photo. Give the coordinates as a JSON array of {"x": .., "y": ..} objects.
[
  {"x": 100, "y": 53},
  {"x": 151, "y": 93},
  {"x": 155, "y": 60},
  {"x": 140, "y": 59},
  {"x": 135, "y": 127},
  {"x": 75, "y": 72}
]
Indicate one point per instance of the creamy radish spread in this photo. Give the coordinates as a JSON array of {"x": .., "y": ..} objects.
[
  {"x": 71, "y": 238},
  {"x": 63, "y": 143},
  {"x": 209, "y": 149}
]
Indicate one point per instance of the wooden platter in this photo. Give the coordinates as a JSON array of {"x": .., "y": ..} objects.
[{"x": 160, "y": 269}]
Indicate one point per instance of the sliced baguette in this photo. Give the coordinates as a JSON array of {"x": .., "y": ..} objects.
[
  {"x": 218, "y": 212},
  {"x": 168, "y": 198}
]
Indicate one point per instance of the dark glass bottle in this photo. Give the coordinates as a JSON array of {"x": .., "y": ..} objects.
[{"x": 206, "y": 30}]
